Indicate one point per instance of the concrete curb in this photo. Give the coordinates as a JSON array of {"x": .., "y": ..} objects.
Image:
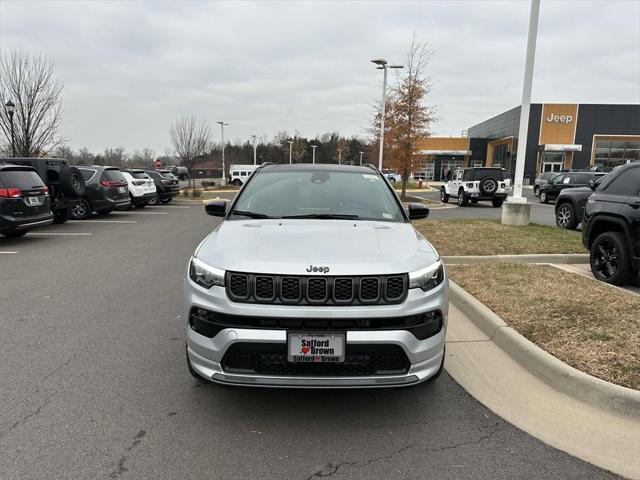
[
  {"x": 555, "y": 373},
  {"x": 545, "y": 258}
]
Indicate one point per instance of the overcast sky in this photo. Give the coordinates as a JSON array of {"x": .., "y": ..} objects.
[{"x": 129, "y": 68}]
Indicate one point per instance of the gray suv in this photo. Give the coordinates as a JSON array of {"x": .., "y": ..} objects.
[{"x": 316, "y": 278}]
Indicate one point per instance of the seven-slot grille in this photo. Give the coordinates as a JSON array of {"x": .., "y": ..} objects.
[{"x": 316, "y": 290}]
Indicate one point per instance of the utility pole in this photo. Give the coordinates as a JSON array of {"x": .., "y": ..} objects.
[
  {"x": 290, "y": 142},
  {"x": 255, "y": 149},
  {"x": 224, "y": 174},
  {"x": 314, "y": 153},
  {"x": 10, "y": 110},
  {"x": 517, "y": 211},
  {"x": 383, "y": 65},
  {"x": 361, "y": 157},
  {"x": 339, "y": 156}
]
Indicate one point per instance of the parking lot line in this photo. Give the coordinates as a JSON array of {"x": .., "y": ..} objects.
[
  {"x": 170, "y": 206},
  {"x": 8, "y": 252},
  {"x": 141, "y": 213},
  {"x": 59, "y": 234},
  {"x": 107, "y": 221}
]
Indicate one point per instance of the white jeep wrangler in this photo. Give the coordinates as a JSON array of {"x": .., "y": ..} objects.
[{"x": 474, "y": 184}]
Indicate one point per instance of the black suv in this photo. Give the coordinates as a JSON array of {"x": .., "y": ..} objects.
[
  {"x": 167, "y": 185},
  {"x": 24, "y": 200},
  {"x": 64, "y": 182},
  {"x": 571, "y": 202},
  {"x": 611, "y": 229},
  {"x": 106, "y": 189},
  {"x": 553, "y": 187}
]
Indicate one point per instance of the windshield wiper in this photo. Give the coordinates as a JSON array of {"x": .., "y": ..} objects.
[
  {"x": 328, "y": 216},
  {"x": 249, "y": 214}
]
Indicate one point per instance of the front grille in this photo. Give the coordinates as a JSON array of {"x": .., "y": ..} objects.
[
  {"x": 271, "y": 359},
  {"x": 315, "y": 290}
]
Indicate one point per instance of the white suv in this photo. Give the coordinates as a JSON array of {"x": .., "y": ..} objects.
[
  {"x": 475, "y": 184},
  {"x": 142, "y": 188}
]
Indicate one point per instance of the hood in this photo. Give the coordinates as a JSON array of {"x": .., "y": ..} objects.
[
  {"x": 291, "y": 247},
  {"x": 577, "y": 191}
]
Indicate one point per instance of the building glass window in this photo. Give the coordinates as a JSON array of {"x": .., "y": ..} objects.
[{"x": 611, "y": 153}]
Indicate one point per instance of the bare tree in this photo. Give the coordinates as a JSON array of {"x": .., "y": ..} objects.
[
  {"x": 190, "y": 138},
  {"x": 28, "y": 81},
  {"x": 115, "y": 157},
  {"x": 143, "y": 158}
]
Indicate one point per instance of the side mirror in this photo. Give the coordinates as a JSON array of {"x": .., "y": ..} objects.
[
  {"x": 417, "y": 211},
  {"x": 216, "y": 208},
  {"x": 592, "y": 184}
]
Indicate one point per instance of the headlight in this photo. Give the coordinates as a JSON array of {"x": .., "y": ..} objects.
[
  {"x": 205, "y": 275},
  {"x": 427, "y": 278}
]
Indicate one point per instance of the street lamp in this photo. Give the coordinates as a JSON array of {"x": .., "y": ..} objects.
[
  {"x": 255, "y": 149},
  {"x": 290, "y": 142},
  {"x": 516, "y": 211},
  {"x": 224, "y": 175},
  {"x": 314, "y": 153},
  {"x": 339, "y": 156},
  {"x": 383, "y": 65},
  {"x": 10, "y": 109},
  {"x": 361, "y": 157}
]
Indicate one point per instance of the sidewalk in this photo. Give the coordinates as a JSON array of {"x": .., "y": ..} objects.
[{"x": 495, "y": 379}]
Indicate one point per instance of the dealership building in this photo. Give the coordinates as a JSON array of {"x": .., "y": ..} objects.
[{"x": 560, "y": 136}]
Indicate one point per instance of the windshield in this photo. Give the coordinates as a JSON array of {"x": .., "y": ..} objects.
[
  {"x": 318, "y": 194},
  {"x": 494, "y": 173},
  {"x": 139, "y": 175},
  {"x": 22, "y": 179}
]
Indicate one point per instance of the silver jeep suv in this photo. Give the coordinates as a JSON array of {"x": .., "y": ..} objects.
[{"x": 316, "y": 278}]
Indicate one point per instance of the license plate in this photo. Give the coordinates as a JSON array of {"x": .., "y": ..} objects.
[
  {"x": 312, "y": 348},
  {"x": 34, "y": 201},
  {"x": 122, "y": 189}
]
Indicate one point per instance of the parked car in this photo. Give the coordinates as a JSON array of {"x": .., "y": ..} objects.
[
  {"x": 239, "y": 174},
  {"x": 142, "y": 189},
  {"x": 542, "y": 179},
  {"x": 474, "y": 184},
  {"x": 611, "y": 230},
  {"x": 167, "y": 186},
  {"x": 288, "y": 305},
  {"x": 181, "y": 173},
  {"x": 24, "y": 200},
  {"x": 552, "y": 189},
  {"x": 393, "y": 176},
  {"x": 105, "y": 189},
  {"x": 64, "y": 182},
  {"x": 570, "y": 204}
]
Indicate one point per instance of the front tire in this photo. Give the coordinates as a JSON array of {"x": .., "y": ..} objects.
[
  {"x": 444, "y": 196},
  {"x": 543, "y": 197},
  {"x": 609, "y": 258},
  {"x": 463, "y": 200},
  {"x": 566, "y": 217},
  {"x": 81, "y": 210}
]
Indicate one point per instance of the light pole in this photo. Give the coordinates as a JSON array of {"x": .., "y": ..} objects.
[
  {"x": 516, "y": 211},
  {"x": 313, "y": 156},
  {"x": 383, "y": 65},
  {"x": 339, "y": 156},
  {"x": 224, "y": 174},
  {"x": 255, "y": 149},
  {"x": 361, "y": 157},
  {"x": 10, "y": 109},
  {"x": 290, "y": 142}
]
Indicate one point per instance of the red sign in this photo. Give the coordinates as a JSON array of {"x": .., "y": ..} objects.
[{"x": 158, "y": 163}]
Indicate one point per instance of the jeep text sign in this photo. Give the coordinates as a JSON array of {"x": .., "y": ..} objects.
[{"x": 559, "y": 118}]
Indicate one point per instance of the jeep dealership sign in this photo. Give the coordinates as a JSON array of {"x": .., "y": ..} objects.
[{"x": 559, "y": 118}]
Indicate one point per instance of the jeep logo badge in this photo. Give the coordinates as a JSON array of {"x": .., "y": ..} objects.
[
  {"x": 559, "y": 118},
  {"x": 311, "y": 268}
]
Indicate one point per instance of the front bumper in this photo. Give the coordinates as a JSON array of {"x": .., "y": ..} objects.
[{"x": 425, "y": 356}]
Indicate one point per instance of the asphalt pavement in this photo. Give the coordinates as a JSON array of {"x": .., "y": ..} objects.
[{"x": 95, "y": 385}]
